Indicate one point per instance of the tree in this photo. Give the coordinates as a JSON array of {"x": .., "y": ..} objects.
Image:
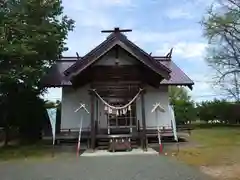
[
  {"x": 24, "y": 113},
  {"x": 221, "y": 110},
  {"x": 222, "y": 29},
  {"x": 183, "y": 106},
  {"x": 32, "y": 38},
  {"x": 177, "y": 93},
  {"x": 205, "y": 111},
  {"x": 184, "y": 111}
]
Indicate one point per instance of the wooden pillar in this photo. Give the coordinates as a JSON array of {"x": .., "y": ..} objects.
[
  {"x": 97, "y": 117},
  {"x": 144, "y": 137},
  {"x": 93, "y": 129}
]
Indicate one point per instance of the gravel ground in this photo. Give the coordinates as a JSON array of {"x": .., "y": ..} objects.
[{"x": 130, "y": 167}]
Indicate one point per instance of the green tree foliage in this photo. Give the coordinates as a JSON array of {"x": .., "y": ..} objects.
[
  {"x": 222, "y": 29},
  {"x": 221, "y": 110},
  {"x": 178, "y": 93},
  {"x": 32, "y": 38},
  {"x": 183, "y": 106},
  {"x": 184, "y": 111},
  {"x": 205, "y": 111}
]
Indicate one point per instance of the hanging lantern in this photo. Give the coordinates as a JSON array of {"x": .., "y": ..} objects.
[{"x": 129, "y": 107}]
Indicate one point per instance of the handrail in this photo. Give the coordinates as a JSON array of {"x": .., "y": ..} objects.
[
  {"x": 116, "y": 127},
  {"x": 73, "y": 129}
]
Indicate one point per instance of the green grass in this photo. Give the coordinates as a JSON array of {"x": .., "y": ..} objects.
[
  {"x": 21, "y": 152},
  {"x": 218, "y": 146}
]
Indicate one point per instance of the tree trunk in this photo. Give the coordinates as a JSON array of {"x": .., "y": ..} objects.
[
  {"x": 6, "y": 133},
  {"x": 6, "y": 130}
]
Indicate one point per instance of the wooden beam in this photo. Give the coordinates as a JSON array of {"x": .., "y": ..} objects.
[
  {"x": 117, "y": 52},
  {"x": 122, "y": 83},
  {"x": 93, "y": 133},
  {"x": 117, "y": 74},
  {"x": 144, "y": 137}
]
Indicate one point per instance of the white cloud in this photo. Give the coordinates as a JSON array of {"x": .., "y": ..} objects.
[
  {"x": 203, "y": 2},
  {"x": 190, "y": 50},
  {"x": 164, "y": 49},
  {"x": 185, "y": 49},
  {"x": 96, "y": 4},
  {"x": 179, "y": 13},
  {"x": 199, "y": 72},
  {"x": 202, "y": 76},
  {"x": 88, "y": 15},
  {"x": 95, "y": 13},
  {"x": 115, "y": 2},
  {"x": 163, "y": 36},
  {"x": 83, "y": 43},
  {"x": 188, "y": 9},
  {"x": 95, "y": 19}
]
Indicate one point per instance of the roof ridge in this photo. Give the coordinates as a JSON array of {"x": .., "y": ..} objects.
[
  {"x": 145, "y": 53},
  {"x": 162, "y": 58},
  {"x": 104, "y": 43}
]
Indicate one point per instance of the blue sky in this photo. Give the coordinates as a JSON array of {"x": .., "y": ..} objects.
[{"x": 158, "y": 25}]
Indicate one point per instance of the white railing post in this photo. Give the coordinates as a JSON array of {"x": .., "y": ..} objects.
[
  {"x": 157, "y": 107},
  {"x": 82, "y": 106},
  {"x": 130, "y": 109}
]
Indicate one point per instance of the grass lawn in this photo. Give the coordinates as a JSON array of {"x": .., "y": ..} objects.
[
  {"x": 21, "y": 152},
  {"x": 218, "y": 150}
]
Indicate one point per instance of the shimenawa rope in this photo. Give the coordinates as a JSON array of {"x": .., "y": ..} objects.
[{"x": 115, "y": 107}]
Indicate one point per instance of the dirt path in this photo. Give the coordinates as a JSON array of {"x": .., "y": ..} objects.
[{"x": 227, "y": 172}]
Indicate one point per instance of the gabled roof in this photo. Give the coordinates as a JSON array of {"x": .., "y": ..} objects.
[
  {"x": 56, "y": 78},
  {"x": 178, "y": 77},
  {"x": 60, "y": 74},
  {"x": 117, "y": 39}
]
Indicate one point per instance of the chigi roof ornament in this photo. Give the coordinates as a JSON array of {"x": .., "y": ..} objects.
[{"x": 116, "y": 30}]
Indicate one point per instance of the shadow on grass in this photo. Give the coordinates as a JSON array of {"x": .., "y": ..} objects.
[
  {"x": 19, "y": 152},
  {"x": 36, "y": 151}
]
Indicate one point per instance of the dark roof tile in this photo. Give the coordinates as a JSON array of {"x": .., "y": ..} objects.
[
  {"x": 178, "y": 77},
  {"x": 56, "y": 78}
]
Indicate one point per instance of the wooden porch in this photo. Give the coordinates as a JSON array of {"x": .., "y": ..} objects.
[{"x": 106, "y": 141}]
